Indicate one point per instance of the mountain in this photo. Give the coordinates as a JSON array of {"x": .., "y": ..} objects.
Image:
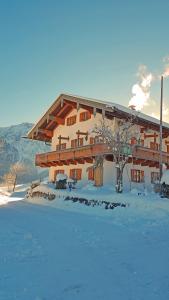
[{"x": 13, "y": 148}]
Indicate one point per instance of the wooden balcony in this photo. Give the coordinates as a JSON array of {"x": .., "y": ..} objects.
[
  {"x": 139, "y": 155},
  {"x": 149, "y": 155},
  {"x": 71, "y": 156}
]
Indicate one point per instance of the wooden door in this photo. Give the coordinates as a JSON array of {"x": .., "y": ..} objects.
[{"x": 98, "y": 176}]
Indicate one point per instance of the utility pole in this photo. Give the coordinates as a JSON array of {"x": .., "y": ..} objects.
[{"x": 161, "y": 130}]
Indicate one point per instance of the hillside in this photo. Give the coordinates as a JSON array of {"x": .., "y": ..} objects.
[{"x": 13, "y": 148}]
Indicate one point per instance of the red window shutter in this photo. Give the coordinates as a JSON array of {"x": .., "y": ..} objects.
[
  {"x": 72, "y": 143},
  {"x": 81, "y": 142},
  {"x": 81, "y": 117},
  {"x": 71, "y": 173},
  {"x": 79, "y": 174},
  {"x": 91, "y": 174}
]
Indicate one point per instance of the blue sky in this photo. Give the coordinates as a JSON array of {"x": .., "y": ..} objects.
[{"x": 90, "y": 48}]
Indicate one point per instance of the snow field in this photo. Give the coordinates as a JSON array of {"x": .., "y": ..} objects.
[{"x": 71, "y": 251}]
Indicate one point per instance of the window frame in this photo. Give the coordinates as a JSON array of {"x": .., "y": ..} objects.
[
  {"x": 74, "y": 143},
  {"x": 155, "y": 174},
  {"x": 59, "y": 171},
  {"x": 71, "y": 120},
  {"x": 84, "y": 116},
  {"x": 75, "y": 174},
  {"x": 137, "y": 176},
  {"x": 61, "y": 146}
]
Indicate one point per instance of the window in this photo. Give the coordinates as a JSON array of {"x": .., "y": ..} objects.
[
  {"x": 90, "y": 174},
  {"x": 61, "y": 146},
  {"x": 76, "y": 174},
  {"x": 86, "y": 115},
  {"x": 137, "y": 175},
  {"x": 76, "y": 143},
  {"x": 58, "y": 172},
  {"x": 92, "y": 140},
  {"x": 155, "y": 176},
  {"x": 71, "y": 120},
  {"x": 154, "y": 146}
]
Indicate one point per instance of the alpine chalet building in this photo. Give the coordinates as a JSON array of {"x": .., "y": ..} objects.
[{"x": 67, "y": 126}]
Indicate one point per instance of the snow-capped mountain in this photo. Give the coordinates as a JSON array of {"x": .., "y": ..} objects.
[{"x": 14, "y": 147}]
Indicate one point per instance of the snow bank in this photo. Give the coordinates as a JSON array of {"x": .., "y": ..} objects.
[
  {"x": 147, "y": 206},
  {"x": 165, "y": 177}
]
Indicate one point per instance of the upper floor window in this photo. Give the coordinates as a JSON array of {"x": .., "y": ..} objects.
[
  {"x": 154, "y": 146},
  {"x": 71, "y": 120},
  {"x": 76, "y": 143},
  {"x": 155, "y": 176},
  {"x": 86, "y": 115},
  {"x": 137, "y": 175},
  {"x": 61, "y": 146}
]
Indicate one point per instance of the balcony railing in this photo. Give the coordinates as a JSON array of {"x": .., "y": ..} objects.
[
  {"x": 73, "y": 154},
  {"x": 90, "y": 151}
]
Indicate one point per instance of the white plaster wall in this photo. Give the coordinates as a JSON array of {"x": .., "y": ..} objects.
[
  {"x": 70, "y": 131},
  {"x": 109, "y": 176},
  {"x": 109, "y": 173}
]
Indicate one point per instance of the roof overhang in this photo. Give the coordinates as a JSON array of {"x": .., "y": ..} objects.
[{"x": 65, "y": 103}]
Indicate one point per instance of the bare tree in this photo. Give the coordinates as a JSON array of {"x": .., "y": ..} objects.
[
  {"x": 118, "y": 138},
  {"x": 17, "y": 170},
  {"x": 8, "y": 180}
]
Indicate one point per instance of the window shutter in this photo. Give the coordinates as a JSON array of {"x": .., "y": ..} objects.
[
  {"x": 91, "y": 174},
  {"x": 91, "y": 140}
]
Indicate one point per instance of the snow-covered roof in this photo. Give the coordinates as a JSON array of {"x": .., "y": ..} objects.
[
  {"x": 112, "y": 105},
  {"x": 108, "y": 106}
]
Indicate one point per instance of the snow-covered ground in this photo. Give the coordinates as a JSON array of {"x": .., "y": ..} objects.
[{"x": 70, "y": 251}]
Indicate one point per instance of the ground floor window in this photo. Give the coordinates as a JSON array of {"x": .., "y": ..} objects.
[
  {"x": 155, "y": 177},
  {"x": 91, "y": 174},
  {"x": 58, "y": 172},
  {"x": 76, "y": 174},
  {"x": 137, "y": 175}
]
